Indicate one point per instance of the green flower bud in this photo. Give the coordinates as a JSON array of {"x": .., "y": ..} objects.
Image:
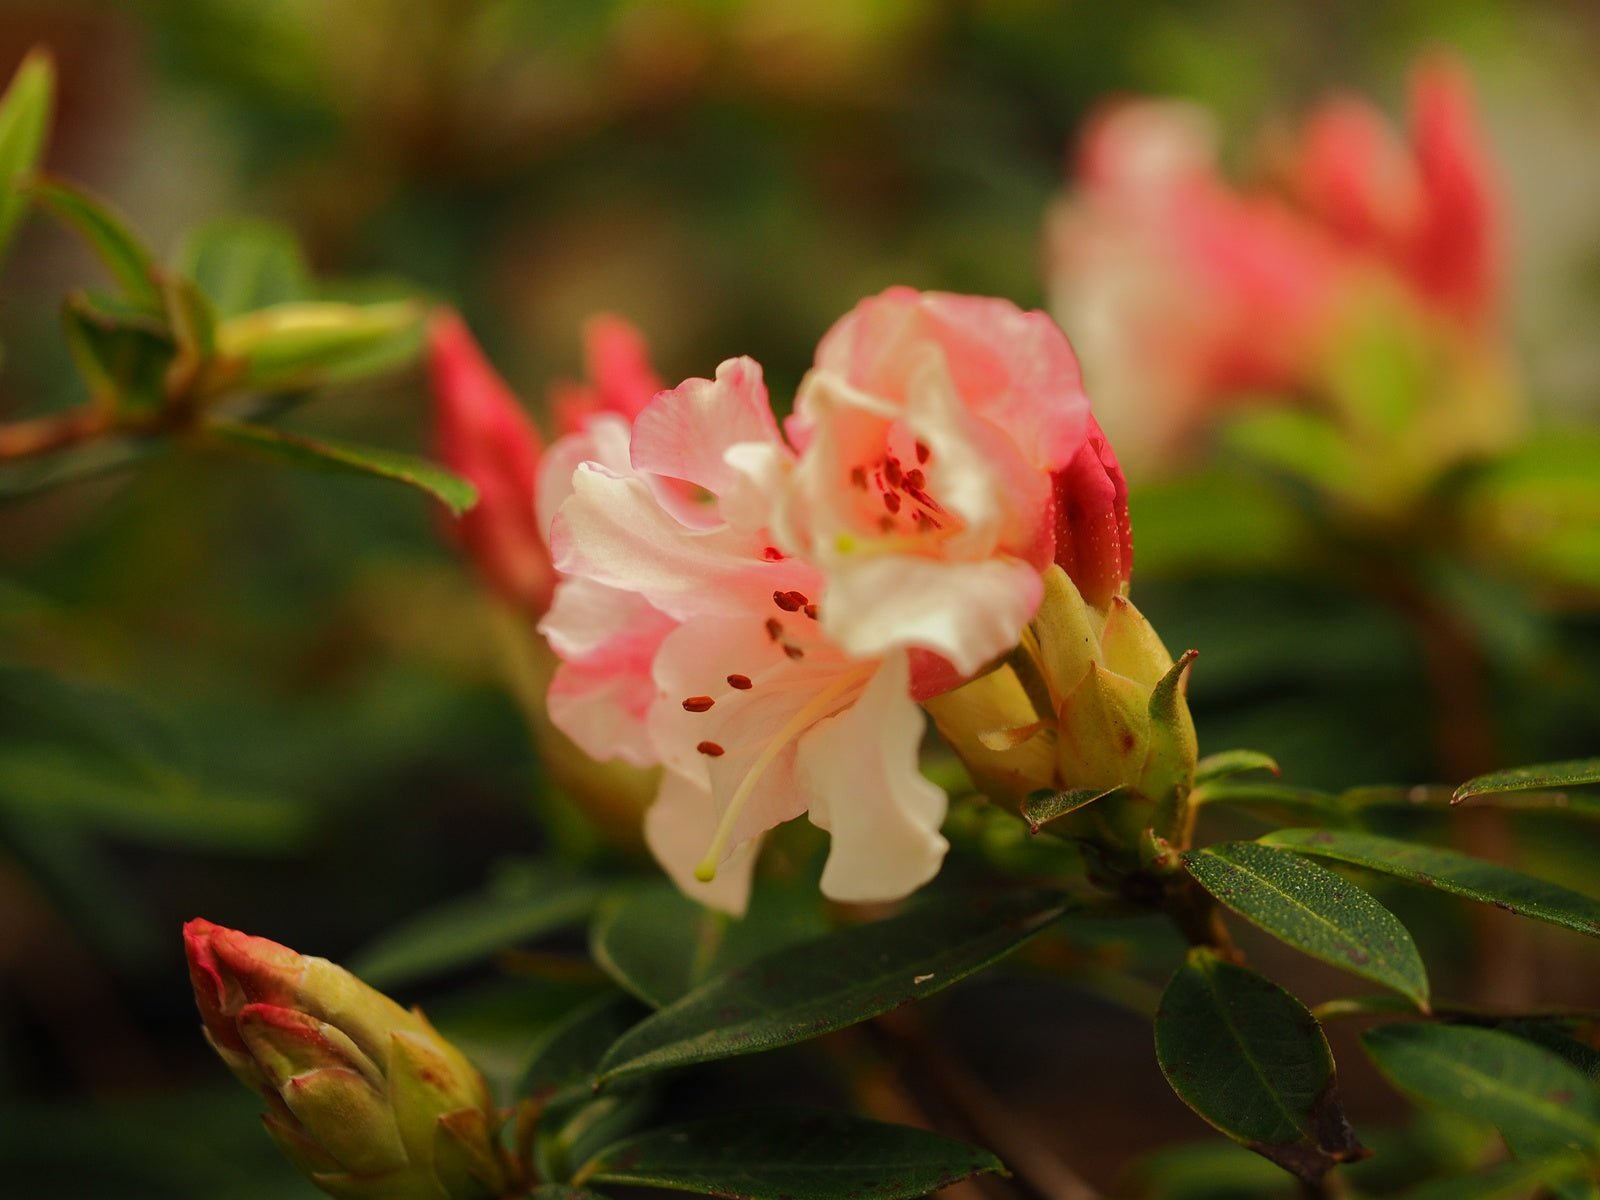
[{"x": 364, "y": 1096}]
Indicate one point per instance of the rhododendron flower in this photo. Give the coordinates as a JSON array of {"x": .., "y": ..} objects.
[
  {"x": 1187, "y": 293},
  {"x": 799, "y": 594}
]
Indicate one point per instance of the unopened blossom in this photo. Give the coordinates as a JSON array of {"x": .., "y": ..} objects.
[
  {"x": 1189, "y": 294},
  {"x": 363, "y": 1096},
  {"x": 803, "y": 589}
]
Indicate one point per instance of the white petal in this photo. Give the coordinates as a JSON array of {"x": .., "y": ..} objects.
[
  {"x": 967, "y": 612},
  {"x": 678, "y": 827},
  {"x": 860, "y": 768}
]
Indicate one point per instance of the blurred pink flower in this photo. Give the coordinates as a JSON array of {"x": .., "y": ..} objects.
[
  {"x": 795, "y": 597},
  {"x": 1187, "y": 294}
]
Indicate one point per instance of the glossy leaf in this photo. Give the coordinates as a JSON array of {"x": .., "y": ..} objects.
[
  {"x": 1538, "y": 1102},
  {"x": 1542, "y": 777},
  {"x": 1226, "y": 763},
  {"x": 1047, "y": 804},
  {"x": 243, "y": 265},
  {"x": 1249, "y": 1058},
  {"x": 1313, "y": 910},
  {"x": 456, "y": 493},
  {"x": 658, "y": 944},
  {"x": 522, "y": 902},
  {"x": 788, "y": 1155},
  {"x": 24, "y": 126},
  {"x": 123, "y": 254},
  {"x": 566, "y": 1057},
  {"x": 1449, "y": 871},
  {"x": 815, "y": 987}
]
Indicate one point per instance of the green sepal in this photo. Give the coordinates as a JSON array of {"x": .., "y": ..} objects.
[
  {"x": 348, "y": 1117},
  {"x": 1168, "y": 774},
  {"x": 24, "y": 125},
  {"x": 464, "y": 1161},
  {"x": 1104, "y": 730}
]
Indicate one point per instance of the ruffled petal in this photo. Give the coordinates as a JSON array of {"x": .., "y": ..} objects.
[
  {"x": 604, "y": 440},
  {"x": 860, "y": 768}
]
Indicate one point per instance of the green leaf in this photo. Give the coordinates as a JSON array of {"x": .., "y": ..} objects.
[
  {"x": 124, "y": 255},
  {"x": 1538, "y": 1102},
  {"x": 816, "y": 987},
  {"x": 1448, "y": 871},
  {"x": 243, "y": 265},
  {"x": 565, "y": 1059},
  {"x": 1504, "y": 1181},
  {"x": 1313, "y": 910},
  {"x": 1041, "y": 807},
  {"x": 523, "y": 901},
  {"x": 658, "y": 944},
  {"x": 562, "y": 1191},
  {"x": 790, "y": 1155},
  {"x": 1233, "y": 762},
  {"x": 24, "y": 125},
  {"x": 306, "y": 344},
  {"x": 456, "y": 493},
  {"x": 122, "y": 352},
  {"x": 1273, "y": 800},
  {"x": 1248, "y": 1057},
  {"x": 1545, "y": 776}
]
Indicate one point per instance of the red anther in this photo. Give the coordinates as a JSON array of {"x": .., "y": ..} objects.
[
  {"x": 740, "y": 682},
  {"x": 789, "y": 601},
  {"x": 793, "y": 651},
  {"x": 916, "y": 479},
  {"x": 774, "y": 628},
  {"x": 711, "y": 749},
  {"x": 811, "y": 611},
  {"x": 891, "y": 501},
  {"x": 891, "y": 471},
  {"x": 773, "y": 554},
  {"x": 922, "y": 452},
  {"x": 858, "y": 476},
  {"x": 885, "y": 524},
  {"x": 698, "y": 703}
]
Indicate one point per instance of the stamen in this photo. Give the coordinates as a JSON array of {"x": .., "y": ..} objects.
[
  {"x": 740, "y": 682},
  {"x": 789, "y": 601},
  {"x": 698, "y": 703},
  {"x": 793, "y": 651},
  {"x": 706, "y": 871},
  {"x": 858, "y": 476},
  {"x": 891, "y": 501},
  {"x": 811, "y": 611},
  {"x": 711, "y": 749},
  {"x": 916, "y": 480},
  {"x": 922, "y": 452},
  {"x": 891, "y": 471},
  {"x": 773, "y": 554},
  {"x": 774, "y": 628}
]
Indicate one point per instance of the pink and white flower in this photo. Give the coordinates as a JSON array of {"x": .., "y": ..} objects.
[{"x": 802, "y": 592}]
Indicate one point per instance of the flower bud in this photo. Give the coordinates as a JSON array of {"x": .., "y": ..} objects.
[
  {"x": 363, "y": 1096},
  {"x": 1091, "y": 700},
  {"x": 484, "y": 435}
]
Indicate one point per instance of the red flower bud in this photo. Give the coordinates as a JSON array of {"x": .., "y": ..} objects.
[{"x": 1094, "y": 538}]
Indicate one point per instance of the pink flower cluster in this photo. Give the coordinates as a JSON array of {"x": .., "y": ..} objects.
[
  {"x": 758, "y": 609},
  {"x": 1187, "y": 293}
]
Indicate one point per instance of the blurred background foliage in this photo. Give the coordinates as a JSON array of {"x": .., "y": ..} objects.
[{"x": 278, "y": 698}]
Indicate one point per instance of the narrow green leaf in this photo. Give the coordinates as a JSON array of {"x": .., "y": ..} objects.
[
  {"x": 1542, "y": 777},
  {"x": 563, "y": 1191},
  {"x": 244, "y": 265},
  {"x": 816, "y": 987},
  {"x": 1554, "y": 1036},
  {"x": 305, "y": 344},
  {"x": 124, "y": 255},
  {"x": 1273, "y": 799},
  {"x": 1539, "y": 1103},
  {"x": 1449, "y": 871},
  {"x": 658, "y": 944},
  {"x": 24, "y": 125},
  {"x": 1512, "y": 1180},
  {"x": 1047, "y": 804},
  {"x": 566, "y": 1057},
  {"x": 456, "y": 493},
  {"x": 1313, "y": 910},
  {"x": 523, "y": 901},
  {"x": 790, "y": 1155},
  {"x": 1248, "y": 1057},
  {"x": 1233, "y": 762}
]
